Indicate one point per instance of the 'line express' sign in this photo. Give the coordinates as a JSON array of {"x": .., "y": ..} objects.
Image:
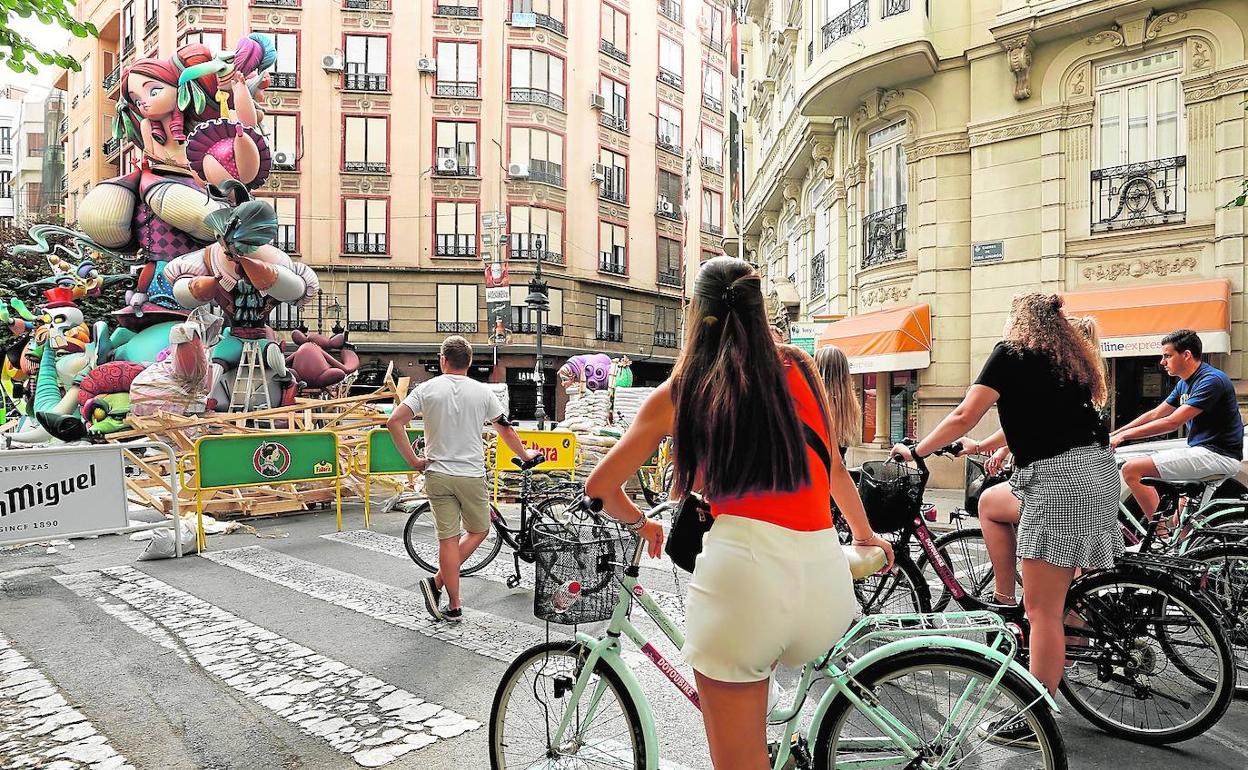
[{"x": 50, "y": 494}]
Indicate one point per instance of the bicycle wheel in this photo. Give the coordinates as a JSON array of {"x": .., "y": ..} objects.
[
  {"x": 1228, "y": 590},
  {"x": 531, "y": 700},
  {"x": 1159, "y": 669},
  {"x": 902, "y": 590},
  {"x": 967, "y": 555},
  {"x": 420, "y": 538},
  {"x": 924, "y": 690}
]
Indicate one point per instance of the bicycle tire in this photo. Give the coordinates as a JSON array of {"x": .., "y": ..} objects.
[
  {"x": 1102, "y": 620},
  {"x": 879, "y": 674},
  {"x": 876, "y": 593},
  {"x": 488, "y": 550},
  {"x": 507, "y": 687},
  {"x": 1230, "y": 598}
]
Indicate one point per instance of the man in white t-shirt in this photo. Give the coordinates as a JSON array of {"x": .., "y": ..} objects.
[{"x": 454, "y": 408}]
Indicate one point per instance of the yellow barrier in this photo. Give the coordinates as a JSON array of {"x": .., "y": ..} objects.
[
  {"x": 382, "y": 458},
  {"x": 558, "y": 446}
]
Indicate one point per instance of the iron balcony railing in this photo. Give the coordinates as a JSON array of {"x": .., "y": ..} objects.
[
  {"x": 461, "y": 169},
  {"x": 714, "y": 42},
  {"x": 712, "y": 165},
  {"x": 546, "y": 172},
  {"x": 286, "y": 323},
  {"x": 893, "y": 7},
  {"x": 671, "y": 79},
  {"x": 368, "y": 326},
  {"x": 286, "y": 244},
  {"x": 606, "y": 335},
  {"x": 616, "y": 122},
  {"x": 365, "y": 167},
  {"x": 64, "y": 126},
  {"x": 668, "y": 143},
  {"x": 666, "y": 339},
  {"x": 712, "y": 229},
  {"x": 884, "y": 236},
  {"x": 532, "y": 255},
  {"x": 1140, "y": 195},
  {"x": 537, "y": 96},
  {"x": 550, "y": 23},
  {"x": 278, "y": 3},
  {"x": 366, "y": 81},
  {"x": 458, "y": 90},
  {"x": 152, "y": 24},
  {"x": 368, "y": 5},
  {"x": 364, "y": 243},
  {"x": 184, "y": 4},
  {"x": 528, "y": 327},
  {"x": 670, "y": 9},
  {"x": 283, "y": 80},
  {"x": 847, "y": 23},
  {"x": 671, "y": 278},
  {"x": 457, "y": 327},
  {"x": 112, "y": 79},
  {"x": 455, "y": 245},
  {"x": 713, "y": 104},
  {"x": 463, "y": 11},
  {"x": 610, "y": 49},
  {"x": 611, "y": 263},
  {"x": 610, "y": 192},
  {"x": 111, "y": 146},
  {"x": 819, "y": 274}
]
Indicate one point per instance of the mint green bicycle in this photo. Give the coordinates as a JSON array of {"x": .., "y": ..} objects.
[{"x": 912, "y": 691}]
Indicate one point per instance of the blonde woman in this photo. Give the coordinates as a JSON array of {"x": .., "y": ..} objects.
[
  {"x": 833, "y": 369},
  {"x": 1045, "y": 378}
]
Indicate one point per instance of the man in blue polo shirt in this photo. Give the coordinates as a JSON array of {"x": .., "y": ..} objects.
[{"x": 1204, "y": 399}]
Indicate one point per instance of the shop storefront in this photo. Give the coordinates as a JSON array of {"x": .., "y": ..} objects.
[
  {"x": 886, "y": 350},
  {"x": 1132, "y": 323}
]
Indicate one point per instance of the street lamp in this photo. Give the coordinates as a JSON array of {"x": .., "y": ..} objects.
[{"x": 538, "y": 301}]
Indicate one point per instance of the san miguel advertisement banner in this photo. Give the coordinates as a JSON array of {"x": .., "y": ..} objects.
[
  {"x": 57, "y": 493},
  {"x": 271, "y": 458}
]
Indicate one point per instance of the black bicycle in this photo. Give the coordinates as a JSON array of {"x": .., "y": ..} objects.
[
  {"x": 1147, "y": 656},
  {"x": 549, "y": 501}
]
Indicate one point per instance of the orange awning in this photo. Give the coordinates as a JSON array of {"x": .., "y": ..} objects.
[
  {"x": 890, "y": 340},
  {"x": 1133, "y": 320}
]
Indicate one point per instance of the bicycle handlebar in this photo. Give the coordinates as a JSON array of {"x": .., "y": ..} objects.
[{"x": 525, "y": 465}]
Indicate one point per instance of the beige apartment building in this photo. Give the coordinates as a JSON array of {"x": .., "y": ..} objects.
[
  {"x": 912, "y": 165},
  {"x": 419, "y": 141}
]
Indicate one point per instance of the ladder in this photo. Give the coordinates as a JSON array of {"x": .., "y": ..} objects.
[{"x": 251, "y": 387}]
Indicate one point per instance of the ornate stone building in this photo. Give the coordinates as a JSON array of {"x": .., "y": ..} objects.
[{"x": 912, "y": 165}]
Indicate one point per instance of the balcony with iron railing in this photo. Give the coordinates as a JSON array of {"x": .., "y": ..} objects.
[
  {"x": 111, "y": 147},
  {"x": 1140, "y": 195},
  {"x": 670, "y": 9},
  {"x": 528, "y": 327},
  {"x": 610, "y": 49},
  {"x": 277, "y": 3},
  {"x": 551, "y": 23},
  {"x": 455, "y": 245},
  {"x": 530, "y": 247},
  {"x": 151, "y": 25},
  {"x": 367, "y": 5},
  {"x": 112, "y": 80},
  {"x": 127, "y": 48},
  {"x": 847, "y": 23},
  {"x": 668, "y": 144},
  {"x": 64, "y": 127},
  {"x": 364, "y": 243},
  {"x": 713, "y": 104},
  {"x": 457, "y": 327},
  {"x": 462, "y": 11},
  {"x": 609, "y": 335},
  {"x": 185, "y": 4},
  {"x": 365, "y": 81},
  {"x": 671, "y": 79},
  {"x": 713, "y": 42},
  {"x": 537, "y": 96},
  {"x": 365, "y": 166},
  {"x": 612, "y": 264},
  {"x": 666, "y": 339},
  {"x": 609, "y": 190},
  {"x": 283, "y": 80},
  {"x": 671, "y": 278},
  {"x": 368, "y": 326},
  {"x": 819, "y": 274},
  {"x": 713, "y": 166},
  {"x": 546, "y": 172},
  {"x": 286, "y": 244},
  {"x": 614, "y": 122},
  {"x": 884, "y": 236},
  {"x": 455, "y": 89},
  {"x": 710, "y": 228}
]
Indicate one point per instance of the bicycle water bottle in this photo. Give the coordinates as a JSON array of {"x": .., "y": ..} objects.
[{"x": 565, "y": 596}]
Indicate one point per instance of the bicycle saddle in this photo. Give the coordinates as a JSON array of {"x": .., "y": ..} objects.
[
  {"x": 524, "y": 466},
  {"x": 864, "y": 560},
  {"x": 1177, "y": 488}
]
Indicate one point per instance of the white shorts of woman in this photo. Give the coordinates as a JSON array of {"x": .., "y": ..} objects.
[{"x": 763, "y": 594}]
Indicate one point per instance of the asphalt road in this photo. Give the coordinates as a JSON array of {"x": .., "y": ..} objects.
[{"x": 306, "y": 648}]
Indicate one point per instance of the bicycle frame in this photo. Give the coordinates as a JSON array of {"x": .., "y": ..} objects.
[{"x": 908, "y": 632}]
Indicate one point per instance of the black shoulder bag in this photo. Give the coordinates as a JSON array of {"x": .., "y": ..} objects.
[{"x": 691, "y": 519}]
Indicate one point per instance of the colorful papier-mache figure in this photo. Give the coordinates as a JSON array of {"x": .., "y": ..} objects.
[{"x": 591, "y": 370}]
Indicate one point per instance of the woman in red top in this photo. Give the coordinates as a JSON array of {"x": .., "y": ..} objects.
[{"x": 771, "y": 584}]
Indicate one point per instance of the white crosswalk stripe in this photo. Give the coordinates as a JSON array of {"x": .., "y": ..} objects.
[
  {"x": 38, "y": 727},
  {"x": 356, "y": 714}
]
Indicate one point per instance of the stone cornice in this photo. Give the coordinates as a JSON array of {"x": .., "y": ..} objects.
[
  {"x": 953, "y": 143},
  {"x": 1216, "y": 84},
  {"x": 1054, "y": 118}
]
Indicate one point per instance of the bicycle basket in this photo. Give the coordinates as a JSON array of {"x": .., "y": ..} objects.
[
  {"x": 590, "y": 554},
  {"x": 892, "y": 494}
]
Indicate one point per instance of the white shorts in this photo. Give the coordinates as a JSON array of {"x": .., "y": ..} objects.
[
  {"x": 761, "y": 594},
  {"x": 1194, "y": 463}
]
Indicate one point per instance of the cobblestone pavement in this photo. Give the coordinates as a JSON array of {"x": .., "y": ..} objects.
[{"x": 309, "y": 648}]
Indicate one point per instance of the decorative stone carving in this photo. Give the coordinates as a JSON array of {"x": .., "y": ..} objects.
[
  {"x": 791, "y": 191},
  {"x": 932, "y": 147},
  {"x": 889, "y": 99},
  {"x": 1113, "y": 36},
  {"x": 1201, "y": 58},
  {"x": 1054, "y": 122},
  {"x": 1220, "y": 88},
  {"x": 878, "y": 295},
  {"x": 825, "y": 153},
  {"x": 1140, "y": 268},
  {"x": 853, "y": 174},
  {"x": 1079, "y": 82},
  {"x": 769, "y": 226},
  {"x": 1157, "y": 23},
  {"x": 1018, "y": 51}
]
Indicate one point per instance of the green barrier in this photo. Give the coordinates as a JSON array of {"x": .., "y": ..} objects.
[{"x": 382, "y": 458}]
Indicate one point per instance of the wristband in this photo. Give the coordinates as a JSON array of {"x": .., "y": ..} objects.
[
  {"x": 637, "y": 525},
  {"x": 864, "y": 541}
]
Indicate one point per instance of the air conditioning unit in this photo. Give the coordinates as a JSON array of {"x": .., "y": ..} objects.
[
  {"x": 524, "y": 20},
  {"x": 518, "y": 170},
  {"x": 426, "y": 64},
  {"x": 665, "y": 206},
  {"x": 597, "y": 101},
  {"x": 332, "y": 62},
  {"x": 448, "y": 164},
  {"x": 283, "y": 160},
  {"x": 599, "y": 173}
]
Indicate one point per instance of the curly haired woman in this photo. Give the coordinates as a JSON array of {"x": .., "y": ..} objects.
[{"x": 1065, "y": 475}]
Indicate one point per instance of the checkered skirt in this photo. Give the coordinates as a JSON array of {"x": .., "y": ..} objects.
[{"x": 1070, "y": 509}]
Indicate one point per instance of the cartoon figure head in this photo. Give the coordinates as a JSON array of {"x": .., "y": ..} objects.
[
  {"x": 246, "y": 227},
  {"x": 151, "y": 92}
]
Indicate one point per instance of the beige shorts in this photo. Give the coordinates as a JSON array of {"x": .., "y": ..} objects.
[
  {"x": 458, "y": 502},
  {"x": 761, "y": 594}
]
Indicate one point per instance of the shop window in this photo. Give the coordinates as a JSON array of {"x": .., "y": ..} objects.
[
  {"x": 368, "y": 306},
  {"x": 457, "y": 308}
]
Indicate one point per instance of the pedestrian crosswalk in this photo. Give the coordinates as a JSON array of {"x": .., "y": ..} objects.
[{"x": 320, "y": 691}]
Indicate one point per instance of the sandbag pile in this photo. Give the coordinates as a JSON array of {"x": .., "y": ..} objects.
[
  {"x": 586, "y": 412},
  {"x": 628, "y": 402}
]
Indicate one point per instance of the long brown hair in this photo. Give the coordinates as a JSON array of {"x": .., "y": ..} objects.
[
  {"x": 736, "y": 429},
  {"x": 1037, "y": 324},
  {"x": 833, "y": 369}
]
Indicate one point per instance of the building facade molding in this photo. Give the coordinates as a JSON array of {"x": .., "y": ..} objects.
[
  {"x": 1159, "y": 267},
  {"x": 1049, "y": 119},
  {"x": 881, "y": 294},
  {"x": 1018, "y": 51},
  {"x": 954, "y": 143}
]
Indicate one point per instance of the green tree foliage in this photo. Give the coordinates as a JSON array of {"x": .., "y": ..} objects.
[
  {"x": 1242, "y": 199},
  {"x": 23, "y": 268},
  {"x": 17, "y": 51}
]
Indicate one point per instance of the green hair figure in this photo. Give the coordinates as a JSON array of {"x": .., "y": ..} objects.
[{"x": 245, "y": 227}]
